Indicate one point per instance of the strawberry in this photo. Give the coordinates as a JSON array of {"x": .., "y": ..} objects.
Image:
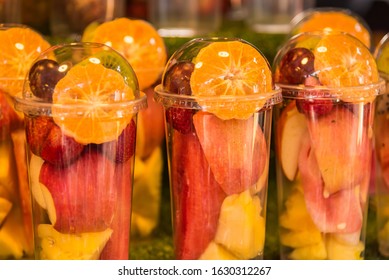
[
  {"x": 314, "y": 107},
  {"x": 180, "y": 119},
  {"x": 46, "y": 140},
  {"x": 123, "y": 148}
]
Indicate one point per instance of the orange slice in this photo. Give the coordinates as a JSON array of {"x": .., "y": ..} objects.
[
  {"x": 138, "y": 41},
  {"x": 343, "y": 61},
  {"x": 19, "y": 47},
  {"x": 229, "y": 69},
  {"x": 336, "y": 21},
  {"x": 88, "y": 94}
]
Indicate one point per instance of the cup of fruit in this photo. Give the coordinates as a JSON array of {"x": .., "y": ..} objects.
[
  {"x": 218, "y": 96},
  {"x": 20, "y": 46},
  {"x": 324, "y": 144},
  {"x": 80, "y": 103},
  {"x": 381, "y": 145}
]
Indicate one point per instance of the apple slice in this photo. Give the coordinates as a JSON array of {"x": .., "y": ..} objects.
[
  {"x": 290, "y": 128},
  {"x": 339, "y": 212},
  {"x": 342, "y": 149},
  {"x": 235, "y": 150},
  {"x": 117, "y": 247},
  {"x": 84, "y": 192},
  {"x": 197, "y": 197}
]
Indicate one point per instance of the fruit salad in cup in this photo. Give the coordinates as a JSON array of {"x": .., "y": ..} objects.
[
  {"x": 80, "y": 103},
  {"x": 20, "y": 46},
  {"x": 381, "y": 145},
  {"x": 218, "y": 95},
  {"x": 138, "y": 41},
  {"x": 324, "y": 144}
]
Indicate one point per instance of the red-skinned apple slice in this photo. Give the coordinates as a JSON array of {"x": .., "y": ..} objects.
[
  {"x": 197, "y": 197},
  {"x": 117, "y": 247},
  {"x": 341, "y": 146},
  {"x": 339, "y": 212},
  {"x": 235, "y": 150},
  {"x": 84, "y": 194},
  {"x": 290, "y": 129}
]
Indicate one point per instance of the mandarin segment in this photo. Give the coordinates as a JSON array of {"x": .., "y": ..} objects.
[{"x": 91, "y": 85}]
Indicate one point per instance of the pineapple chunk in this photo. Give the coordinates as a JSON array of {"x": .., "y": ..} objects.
[
  {"x": 297, "y": 239},
  {"x": 312, "y": 252},
  {"x": 5, "y": 207},
  {"x": 215, "y": 251},
  {"x": 59, "y": 246},
  {"x": 241, "y": 228},
  {"x": 339, "y": 251}
]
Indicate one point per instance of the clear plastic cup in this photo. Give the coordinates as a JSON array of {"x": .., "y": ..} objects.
[
  {"x": 21, "y": 45},
  {"x": 80, "y": 103},
  {"x": 324, "y": 144},
  {"x": 381, "y": 145},
  {"x": 218, "y": 147}
]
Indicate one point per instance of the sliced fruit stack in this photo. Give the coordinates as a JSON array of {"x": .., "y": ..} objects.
[
  {"x": 139, "y": 42},
  {"x": 82, "y": 154},
  {"x": 218, "y": 158},
  {"x": 324, "y": 145}
]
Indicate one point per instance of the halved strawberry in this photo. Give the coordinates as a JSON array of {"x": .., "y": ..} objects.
[
  {"x": 46, "y": 140},
  {"x": 122, "y": 149}
]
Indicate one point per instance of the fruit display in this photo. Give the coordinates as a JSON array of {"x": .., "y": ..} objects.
[
  {"x": 381, "y": 150},
  {"x": 324, "y": 144},
  {"x": 218, "y": 96},
  {"x": 20, "y": 46},
  {"x": 139, "y": 42},
  {"x": 332, "y": 19},
  {"x": 80, "y": 104}
]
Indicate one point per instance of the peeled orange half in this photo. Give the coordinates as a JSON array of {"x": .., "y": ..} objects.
[
  {"x": 19, "y": 47},
  {"x": 84, "y": 103},
  {"x": 231, "y": 69},
  {"x": 138, "y": 41}
]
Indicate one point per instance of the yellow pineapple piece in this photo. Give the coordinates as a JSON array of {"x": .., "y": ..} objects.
[
  {"x": 215, "y": 251},
  {"x": 297, "y": 239},
  {"x": 339, "y": 251},
  {"x": 313, "y": 252},
  {"x": 296, "y": 216},
  {"x": 60, "y": 246},
  {"x": 241, "y": 228},
  {"x": 146, "y": 199}
]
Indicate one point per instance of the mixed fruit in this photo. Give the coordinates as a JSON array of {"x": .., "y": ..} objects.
[
  {"x": 80, "y": 114},
  {"x": 139, "y": 42},
  {"x": 20, "y": 46},
  {"x": 382, "y": 151},
  {"x": 217, "y": 149},
  {"x": 324, "y": 144}
]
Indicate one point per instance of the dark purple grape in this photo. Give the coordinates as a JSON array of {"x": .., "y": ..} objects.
[
  {"x": 43, "y": 76},
  {"x": 177, "y": 79},
  {"x": 296, "y": 65}
]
